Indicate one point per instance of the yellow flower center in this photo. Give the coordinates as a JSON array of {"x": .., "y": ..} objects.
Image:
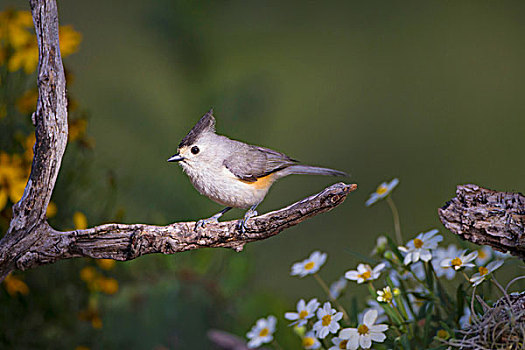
[
  {"x": 326, "y": 320},
  {"x": 483, "y": 270},
  {"x": 303, "y": 314},
  {"x": 365, "y": 275},
  {"x": 264, "y": 332},
  {"x": 308, "y": 341},
  {"x": 308, "y": 266},
  {"x": 482, "y": 254},
  {"x": 381, "y": 190},
  {"x": 362, "y": 329},
  {"x": 342, "y": 344},
  {"x": 418, "y": 243},
  {"x": 456, "y": 262}
]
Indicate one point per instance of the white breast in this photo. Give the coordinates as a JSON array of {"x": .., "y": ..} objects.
[{"x": 223, "y": 187}]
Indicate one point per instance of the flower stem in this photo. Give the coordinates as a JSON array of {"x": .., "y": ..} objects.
[
  {"x": 395, "y": 214},
  {"x": 327, "y": 290}
]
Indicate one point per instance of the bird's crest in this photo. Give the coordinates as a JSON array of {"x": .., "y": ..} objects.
[{"x": 205, "y": 124}]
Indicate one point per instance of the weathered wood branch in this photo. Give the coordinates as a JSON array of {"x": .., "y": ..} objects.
[
  {"x": 30, "y": 241},
  {"x": 51, "y": 139},
  {"x": 127, "y": 242},
  {"x": 487, "y": 217}
]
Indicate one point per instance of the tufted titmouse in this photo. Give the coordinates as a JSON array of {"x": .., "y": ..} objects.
[{"x": 233, "y": 173}]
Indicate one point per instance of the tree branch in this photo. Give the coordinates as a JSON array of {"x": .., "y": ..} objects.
[
  {"x": 51, "y": 139},
  {"x": 30, "y": 241},
  {"x": 487, "y": 217},
  {"x": 127, "y": 242}
]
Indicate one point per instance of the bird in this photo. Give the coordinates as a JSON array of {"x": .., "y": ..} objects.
[{"x": 233, "y": 173}]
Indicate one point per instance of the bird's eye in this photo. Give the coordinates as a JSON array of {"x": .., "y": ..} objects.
[{"x": 195, "y": 150}]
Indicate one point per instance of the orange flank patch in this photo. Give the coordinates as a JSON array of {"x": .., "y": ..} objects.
[{"x": 262, "y": 182}]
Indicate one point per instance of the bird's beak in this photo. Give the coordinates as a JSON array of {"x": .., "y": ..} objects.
[{"x": 176, "y": 158}]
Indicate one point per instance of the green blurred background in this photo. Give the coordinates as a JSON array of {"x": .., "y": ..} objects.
[{"x": 430, "y": 92}]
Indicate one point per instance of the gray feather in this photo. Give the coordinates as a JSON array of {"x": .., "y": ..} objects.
[
  {"x": 311, "y": 170},
  {"x": 249, "y": 162}
]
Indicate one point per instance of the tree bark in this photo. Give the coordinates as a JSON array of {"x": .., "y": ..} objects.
[
  {"x": 30, "y": 241},
  {"x": 487, "y": 217}
]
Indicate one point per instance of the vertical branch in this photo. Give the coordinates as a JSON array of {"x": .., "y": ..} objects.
[{"x": 28, "y": 222}]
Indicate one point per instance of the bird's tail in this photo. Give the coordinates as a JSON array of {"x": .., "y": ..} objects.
[{"x": 311, "y": 170}]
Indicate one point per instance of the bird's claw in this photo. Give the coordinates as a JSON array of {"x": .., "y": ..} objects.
[
  {"x": 203, "y": 222},
  {"x": 241, "y": 224}
]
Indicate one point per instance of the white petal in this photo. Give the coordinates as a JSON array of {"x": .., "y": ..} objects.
[
  {"x": 353, "y": 341},
  {"x": 370, "y": 318},
  {"x": 352, "y": 275},
  {"x": 337, "y": 316},
  {"x": 323, "y": 332},
  {"x": 347, "y": 333},
  {"x": 494, "y": 265},
  {"x": 471, "y": 256},
  {"x": 378, "y": 328},
  {"x": 301, "y": 305},
  {"x": 272, "y": 321},
  {"x": 415, "y": 255},
  {"x": 446, "y": 263},
  {"x": 365, "y": 341},
  {"x": 425, "y": 255},
  {"x": 379, "y": 267},
  {"x": 377, "y": 337},
  {"x": 292, "y": 316},
  {"x": 334, "y": 327},
  {"x": 408, "y": 259}
]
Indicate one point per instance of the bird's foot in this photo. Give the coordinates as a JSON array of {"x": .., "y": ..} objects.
[
  {"x": 241, "y": 224},
  {"x": 203, "y": 222}
]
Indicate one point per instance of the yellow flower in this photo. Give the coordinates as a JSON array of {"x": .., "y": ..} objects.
[
  {"x": 16, "y": 27},
  {"x": 26, "y": 104},
  {"x": 51, "y": 210},
  {"x": 443, "y": 334},
  {"x": 15, "y": 285},
  {"x": 96, "y": 322},
  {"x": 13, "y": 178},
  {"x": 106, "y": 264},
  {"x": 80, "y": 221},
  {"x": 107, "y": 285},
  {"x": 16, "y": 31},
  {"x": 88, "y": 274},
  {"x": 77, "y": 128},
  {"x": 69, "y": 40}
]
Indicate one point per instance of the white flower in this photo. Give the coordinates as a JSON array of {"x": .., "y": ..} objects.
[
  {"x": 458, "y": 262},
  {"x": 465, "y": 321},
  {"x": 366, "y": 333},
  {"x": 310, "y": 341},
  {"x": 364, "y": 273},
  {"x": 304, "y": 312},
  {"x": 382, "y": 191},
  {"x": 386, "y": 295},
  {"x": 484, "y": 255},
  {"x": 483, "y": 272},
  {"x": 261, "y": 332},
  {"x": 337, "y": 287},
  {"x": 339, "y": 343},
  {"x": 328, "y": 321},
  {"x": 420, "y": 247},
  {"x": 309, "y": 266},
  {"x": 439, "y": 255}
]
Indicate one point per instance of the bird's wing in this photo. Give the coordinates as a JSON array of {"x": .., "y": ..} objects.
[{"x": 252, "y": 162}]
